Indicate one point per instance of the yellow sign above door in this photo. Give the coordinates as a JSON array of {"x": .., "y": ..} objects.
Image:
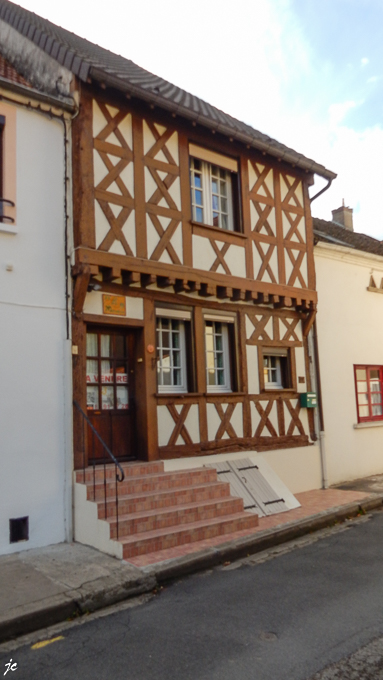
[{"x": 114, "y": 304}]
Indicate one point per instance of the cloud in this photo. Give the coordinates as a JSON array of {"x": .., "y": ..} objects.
[
  {"x": 337, "y": 112},
  {"x": 364, "y": 61}
]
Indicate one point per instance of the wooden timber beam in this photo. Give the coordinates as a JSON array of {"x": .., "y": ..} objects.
[
  {"x": 308, "y": 322},
  {"x": 130, "y": 277},
  {"x": 196, "y": 276},
  {"x": 80, "y": 289},
  {"x": 110, "y": 274},
  {"x": 165, "y": 281}
]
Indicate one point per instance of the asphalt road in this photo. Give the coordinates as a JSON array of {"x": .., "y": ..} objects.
[{"x": 288, "y": 618}]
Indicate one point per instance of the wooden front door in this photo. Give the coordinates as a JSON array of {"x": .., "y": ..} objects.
[{"x": 110, "y": 392}]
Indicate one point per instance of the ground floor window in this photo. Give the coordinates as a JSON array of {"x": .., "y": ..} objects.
[
  {"x": 171, "y": 355},
  {"x": 218, "y": 369},
  {"x": 368, "y": 383}
]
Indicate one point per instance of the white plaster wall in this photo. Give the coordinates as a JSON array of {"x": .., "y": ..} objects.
[
  {"x": 350, "y": 331},
  {"x": 35, "y": 443},
  {"x": 299, "y": 468}
]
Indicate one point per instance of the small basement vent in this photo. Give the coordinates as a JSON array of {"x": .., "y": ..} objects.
[
  {"x": 262, "y": 491},
  {"x": 19, "y": 529}
]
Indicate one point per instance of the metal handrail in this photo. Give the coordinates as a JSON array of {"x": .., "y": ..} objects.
[
  {"x": 107, "y": 449},
  {"x": 7, "y": 201}
]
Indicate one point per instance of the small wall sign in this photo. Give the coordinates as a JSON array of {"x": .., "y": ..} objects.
[{"x": 114, "y": 304}]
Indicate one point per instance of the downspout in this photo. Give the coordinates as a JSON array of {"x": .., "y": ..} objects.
[
  {"x": 319, "y": 410},
  {"x": 320, "y": 418}
]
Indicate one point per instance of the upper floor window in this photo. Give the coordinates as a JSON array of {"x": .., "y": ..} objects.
[
  {"x": 214, "y": 190},
  {"x": 276, "y": 369},
  {"x": 368, "y": 382}
]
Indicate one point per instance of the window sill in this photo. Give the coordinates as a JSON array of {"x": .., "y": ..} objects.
[
  {"x": 178, "y": 395},
  {"x": 368, "y": 423},
  {"x": 200, "y": 228},
  {"x": 8, "y": 228}
]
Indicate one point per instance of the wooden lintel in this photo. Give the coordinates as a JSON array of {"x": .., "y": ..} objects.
[
  {"x": 308, "y": 322},
  {"x": 80, "y": 289}
]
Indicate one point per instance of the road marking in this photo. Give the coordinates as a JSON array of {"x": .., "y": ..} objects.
[{"x": 44, "y": 643}]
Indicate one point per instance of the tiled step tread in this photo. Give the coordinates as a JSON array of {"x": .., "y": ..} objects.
[
  {"x": 179, "y": 509},
  {"x": 139, "y": 468},
  {"x": 189, "y": 476},
  {"x": 163, "y": 493},
  {"x": 251, "y": 518}
]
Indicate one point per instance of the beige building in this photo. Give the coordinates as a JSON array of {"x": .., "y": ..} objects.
[{"x": 349, "y": 270}]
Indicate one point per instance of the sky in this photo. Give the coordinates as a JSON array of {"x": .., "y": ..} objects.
[{"x": 309, "y": 73}]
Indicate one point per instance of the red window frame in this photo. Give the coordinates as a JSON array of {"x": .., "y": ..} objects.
[{"x": 369, "y": 401}]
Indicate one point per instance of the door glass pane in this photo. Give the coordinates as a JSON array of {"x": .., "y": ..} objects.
[
  {"x": 361, "y": 374},
  {"x": 91, "y": 371},
  {"x": 121, "y": 374},
  {"x": 107, "y": 397},
  {"x": 363, "y": 411},
  {"x": 106, "y": 371},
  {"x": 92, "y": 397},
  {"x": 122, "y": 396},
  {"x": 377, "y": 410},
  {"x": 91, "y": 345},
  {"x": 105, "y": 345}
]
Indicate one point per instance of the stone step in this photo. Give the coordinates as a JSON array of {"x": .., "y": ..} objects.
[
  {"x": 170, "y": 518},
  {"x": 153, "y": 541},
  {"x": 152, "y": 482},
  {"x": 129, "y": 504},
  {"x": 136, "y": 469}
]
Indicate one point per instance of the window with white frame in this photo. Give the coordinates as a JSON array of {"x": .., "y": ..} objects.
[
  {"x": 214, "y": 188},
  {"x": 218, "y": 369},
  {"x": 171, "y": 354},
  {"x": 276, "y": 369}
]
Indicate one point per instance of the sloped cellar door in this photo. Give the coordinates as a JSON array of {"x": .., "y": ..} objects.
[{"x": 110, "y": 392}]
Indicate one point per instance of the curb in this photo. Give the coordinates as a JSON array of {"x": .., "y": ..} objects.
[
  {"x": 166, "y": 572},
  {"x": 105, "y": 592}
]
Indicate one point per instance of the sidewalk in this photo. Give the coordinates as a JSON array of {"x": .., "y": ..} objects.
[{"x": 44, "y": 586}]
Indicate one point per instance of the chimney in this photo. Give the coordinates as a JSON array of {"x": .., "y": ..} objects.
[{"x": 343, "y": 217}]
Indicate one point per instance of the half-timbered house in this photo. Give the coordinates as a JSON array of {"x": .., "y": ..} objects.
[{"x": 193, "y": 272}]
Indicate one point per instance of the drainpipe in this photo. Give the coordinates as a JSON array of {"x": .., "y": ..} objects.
[{"x": 319, "y": 411}]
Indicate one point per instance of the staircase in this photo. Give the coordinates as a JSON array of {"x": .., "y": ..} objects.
[{"x": 160, "y": 510}]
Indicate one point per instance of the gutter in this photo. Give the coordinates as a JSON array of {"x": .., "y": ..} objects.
[{"x": 30, "y": 93}]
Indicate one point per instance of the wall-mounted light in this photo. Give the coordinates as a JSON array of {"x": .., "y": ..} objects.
[{"x": 94, "y": 285}]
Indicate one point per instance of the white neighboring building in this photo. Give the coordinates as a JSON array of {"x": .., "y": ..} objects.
[
  {"x": 349, "y": 270},
  {"x": 35, "y": 429}
]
